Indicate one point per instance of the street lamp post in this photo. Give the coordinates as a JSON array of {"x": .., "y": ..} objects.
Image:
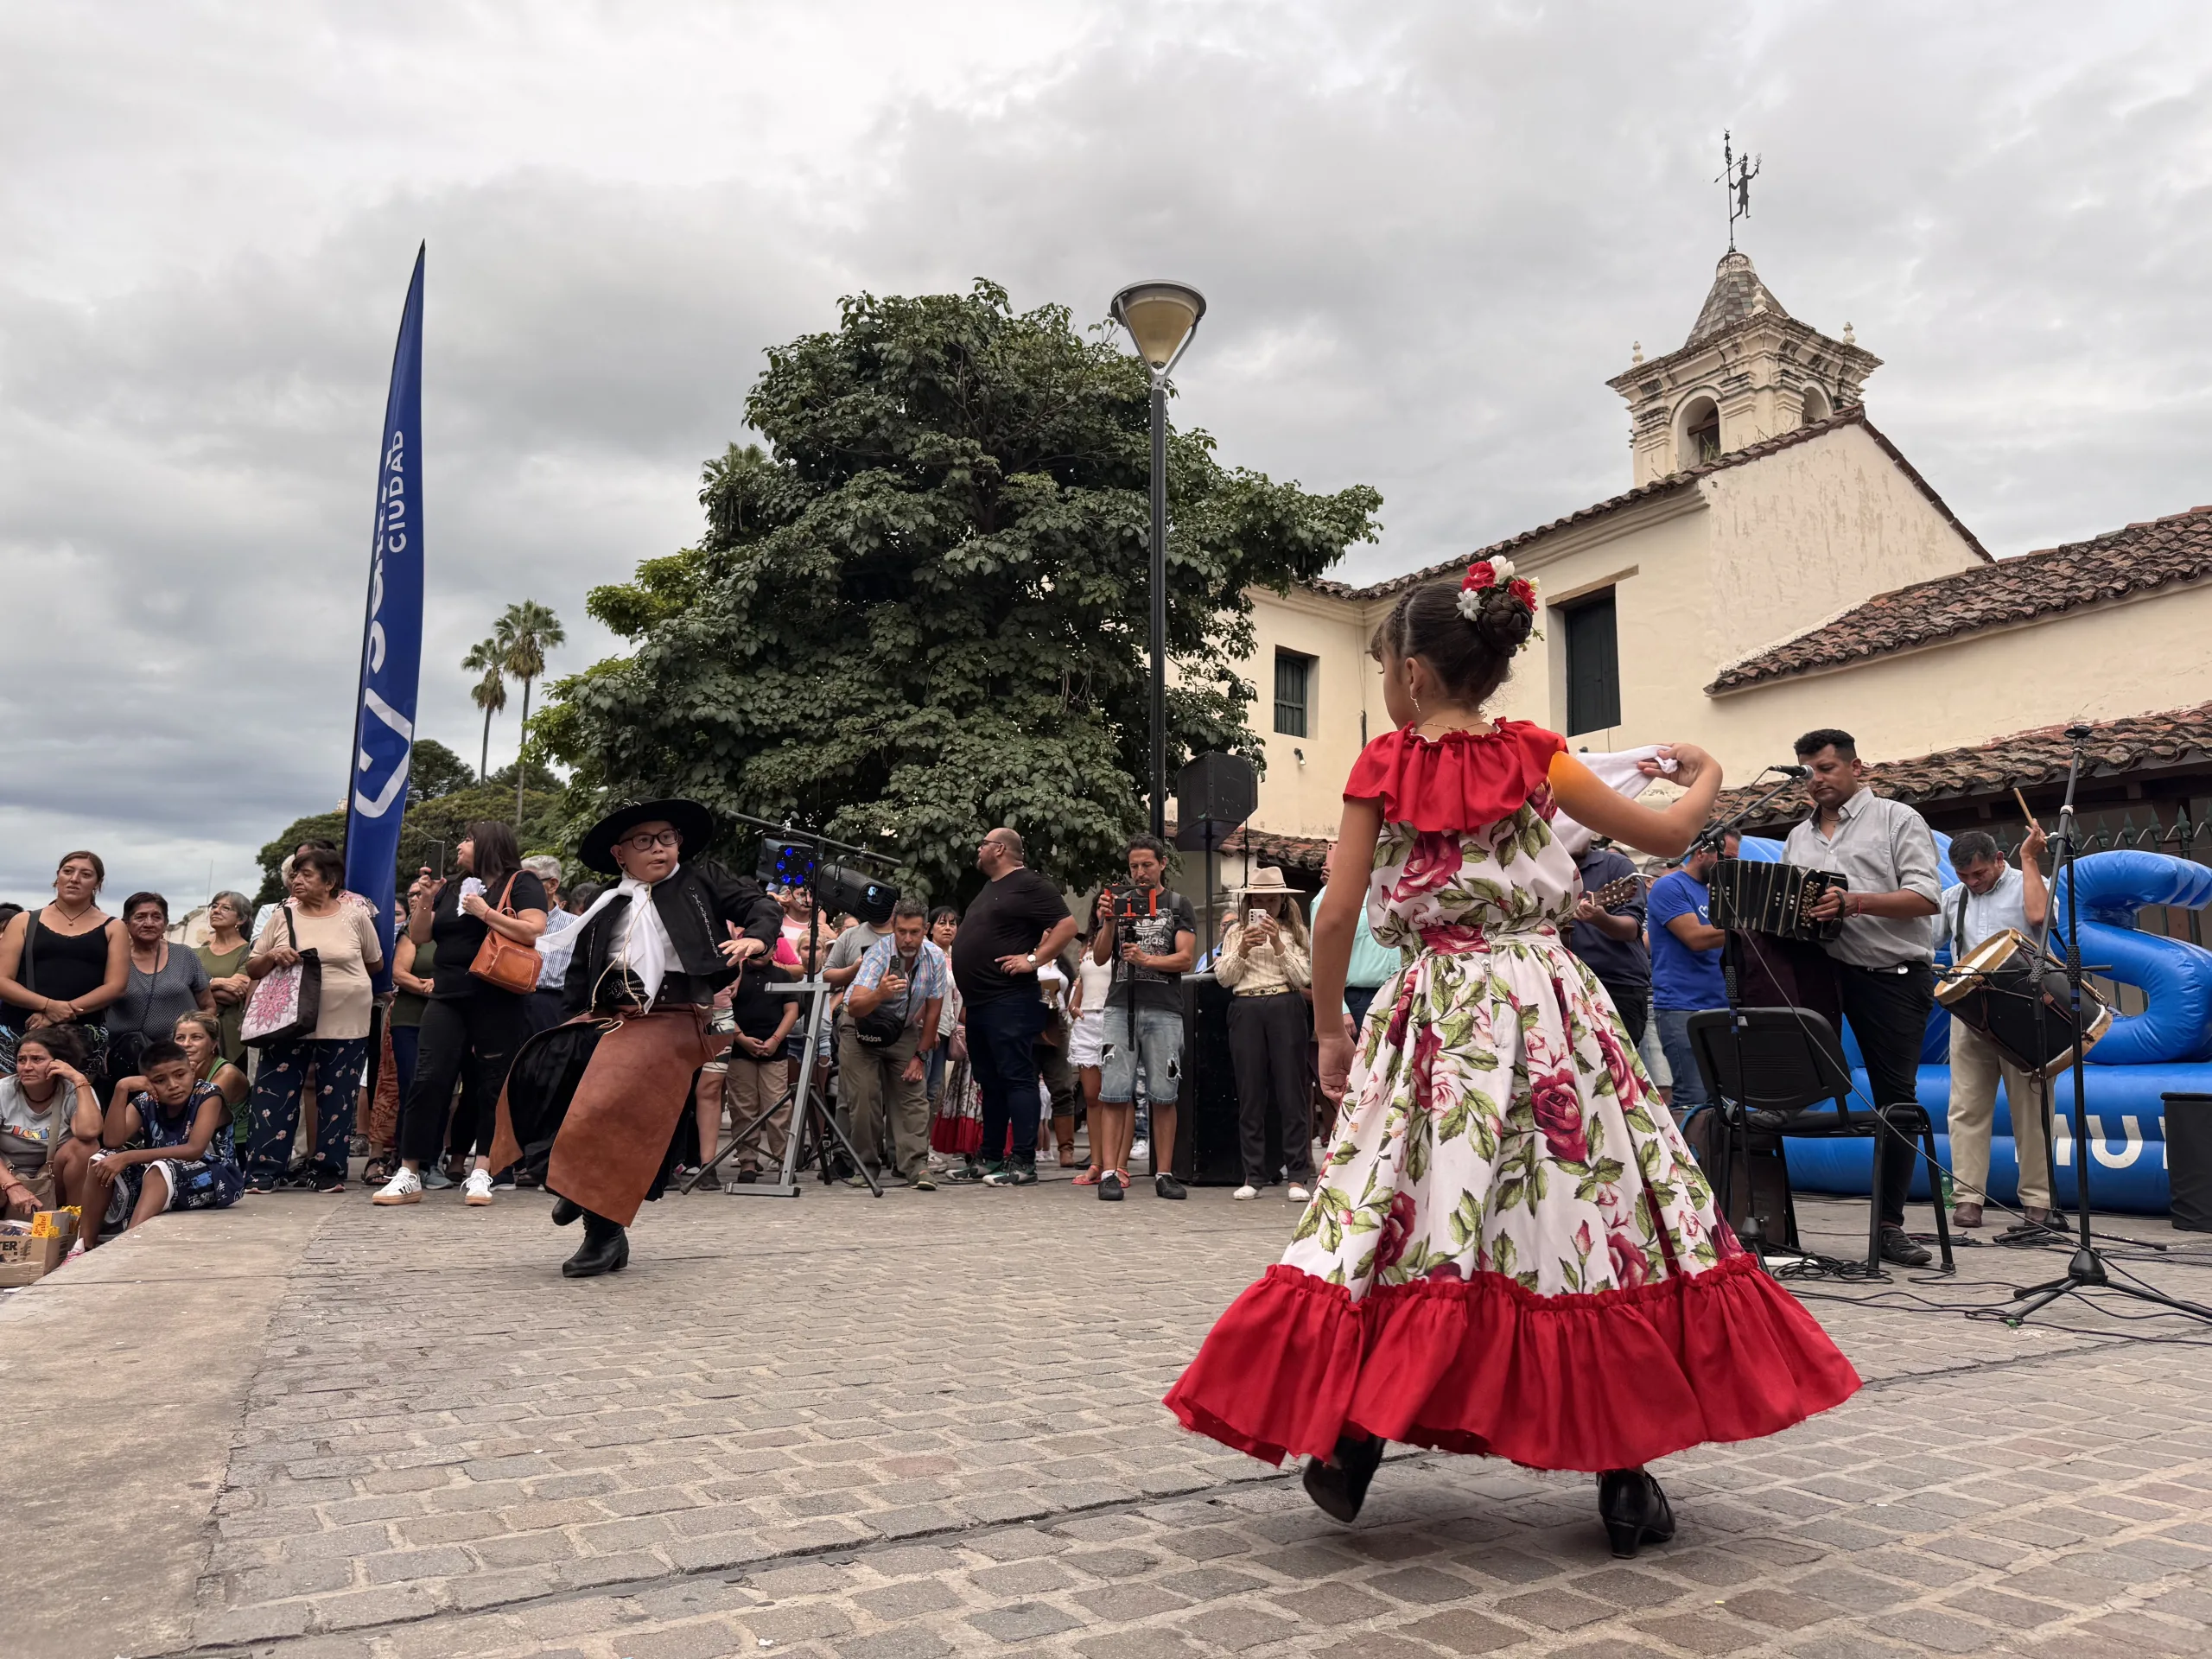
[{"x": 1160, "y": 318}]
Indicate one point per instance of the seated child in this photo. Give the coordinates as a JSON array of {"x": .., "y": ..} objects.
[{"x": 188, "y": 1162}]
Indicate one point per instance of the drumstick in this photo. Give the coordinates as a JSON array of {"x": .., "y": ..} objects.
[{"x": 2026, "y": 812}]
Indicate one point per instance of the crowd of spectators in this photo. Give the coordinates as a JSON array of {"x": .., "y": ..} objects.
[{"x": 958, "y": 1046}]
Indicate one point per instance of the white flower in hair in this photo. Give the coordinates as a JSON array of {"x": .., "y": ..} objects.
[
  {"x": 1470, "y": 603},
  {"x": 1505, "y": 570}
]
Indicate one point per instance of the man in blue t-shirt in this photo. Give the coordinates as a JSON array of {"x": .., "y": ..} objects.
[{"x": 1685, "y": 965}]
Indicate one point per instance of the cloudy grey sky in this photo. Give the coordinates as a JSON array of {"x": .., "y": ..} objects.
[{"x": 1428, "y": 233}]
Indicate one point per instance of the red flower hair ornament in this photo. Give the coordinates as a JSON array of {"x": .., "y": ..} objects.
[{"x": 1492, "y": 582}]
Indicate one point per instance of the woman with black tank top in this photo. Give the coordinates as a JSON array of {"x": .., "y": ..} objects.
[
  {"x": 63, "y": 964},
  {"x": 468, "y": 1022}
]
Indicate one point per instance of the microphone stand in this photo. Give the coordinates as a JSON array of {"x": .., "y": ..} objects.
[{"x": 2085, "y": 1270}]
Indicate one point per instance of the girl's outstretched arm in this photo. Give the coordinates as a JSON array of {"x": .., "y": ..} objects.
[{"x": 1665, "y": 831}]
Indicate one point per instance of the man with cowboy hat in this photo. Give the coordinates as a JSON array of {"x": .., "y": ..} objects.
[
  {"x": 593, "y": 1105},
  {"x": 1266, "y": 961}
]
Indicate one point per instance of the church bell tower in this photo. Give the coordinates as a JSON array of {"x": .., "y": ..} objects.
[{"x": 1748, "y": 372}]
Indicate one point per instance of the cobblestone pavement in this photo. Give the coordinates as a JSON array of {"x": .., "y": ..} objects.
[{"x": 930, "y": 1424}]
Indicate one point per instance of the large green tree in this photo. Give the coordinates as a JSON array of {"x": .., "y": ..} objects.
[{"x": 922, "y": 611}]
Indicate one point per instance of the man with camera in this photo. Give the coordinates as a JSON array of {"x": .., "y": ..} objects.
[
  {"x": 1150, "y": 936},
  {"x": 883, "y": 1051}
]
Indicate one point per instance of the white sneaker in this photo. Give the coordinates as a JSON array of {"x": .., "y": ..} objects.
[
  {"x": 1297, "y": 1194},
  {"x": 477, "y": 1189},
  {"x": 1246, "y": 1192},
  {"x": 1139, "y": 1151},
  {"x": 405, "y": 1187}
]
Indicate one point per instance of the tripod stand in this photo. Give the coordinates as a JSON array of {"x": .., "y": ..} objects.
[
  {"x": 2085, "y": 1270},
  {"x": 811, "y": 1113}
]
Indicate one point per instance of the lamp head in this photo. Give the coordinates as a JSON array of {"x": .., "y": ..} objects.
[{"x": 1160, "y": 317}]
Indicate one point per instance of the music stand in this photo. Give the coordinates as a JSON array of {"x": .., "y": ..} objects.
[{"x": 1784, "y": 1065}]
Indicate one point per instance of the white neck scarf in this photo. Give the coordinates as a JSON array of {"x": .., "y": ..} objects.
[{"x": 643, "y": 946}]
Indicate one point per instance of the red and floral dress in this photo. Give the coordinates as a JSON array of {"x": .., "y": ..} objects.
[{"x": 1510, "y": 1250}]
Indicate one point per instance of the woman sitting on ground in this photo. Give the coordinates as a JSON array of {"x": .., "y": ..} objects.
[
  {"x": 188, "y": 1161},
  {"x": 50, "y": 1125}
]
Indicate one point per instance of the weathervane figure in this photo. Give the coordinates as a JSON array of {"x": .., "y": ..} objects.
[{"x": 1737, "y": 176}]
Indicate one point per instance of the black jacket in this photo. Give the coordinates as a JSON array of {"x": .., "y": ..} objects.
[{"x": 694, "y": 904}]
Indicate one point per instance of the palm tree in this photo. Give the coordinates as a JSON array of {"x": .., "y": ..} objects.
[
  {"x": 525, "y": 633},
  {"x": 487, "y": 657}
]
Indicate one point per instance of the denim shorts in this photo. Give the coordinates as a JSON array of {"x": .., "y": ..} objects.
[{"x": 1158, "y": 1050}]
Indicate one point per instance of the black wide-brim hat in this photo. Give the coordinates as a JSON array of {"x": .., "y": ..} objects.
[{"x": 690, "y": 819}]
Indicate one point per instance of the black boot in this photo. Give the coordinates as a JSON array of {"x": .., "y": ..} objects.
[
  {"x": 1338, "y": 1489},
  {"x": 606, "y": 1250},
  {"x": 1634, "y": 1511},
  {"x": 565, "y": 1211}
]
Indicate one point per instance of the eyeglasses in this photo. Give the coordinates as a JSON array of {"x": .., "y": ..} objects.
[{"x": 646, "y": 840}]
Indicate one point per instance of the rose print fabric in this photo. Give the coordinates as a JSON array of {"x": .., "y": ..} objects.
[{"x": 1510, "y": 1248}]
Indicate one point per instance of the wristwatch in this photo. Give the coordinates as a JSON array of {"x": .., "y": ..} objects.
[{"x": 1032, "y": 958}]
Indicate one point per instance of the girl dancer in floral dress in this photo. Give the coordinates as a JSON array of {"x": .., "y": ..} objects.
[{"x": 1510, "y": 1250}]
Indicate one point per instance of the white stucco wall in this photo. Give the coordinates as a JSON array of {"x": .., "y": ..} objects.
[{"x": 1805, "y": 533}]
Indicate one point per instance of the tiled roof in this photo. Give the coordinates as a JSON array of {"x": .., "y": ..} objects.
[
  {"x": 1293, "y": 851},
  {"x": 2137, "y": 559},
  {"x": 1855, "y": 415},
  {"x": 1736, "y": 295},
  {"x": 2031, "y": 760}
]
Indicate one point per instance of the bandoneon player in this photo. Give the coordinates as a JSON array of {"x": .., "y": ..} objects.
[{"x": 1883, "y": 961}]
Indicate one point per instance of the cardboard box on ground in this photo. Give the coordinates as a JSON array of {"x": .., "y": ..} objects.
[{"x": 30, "y": 1250}]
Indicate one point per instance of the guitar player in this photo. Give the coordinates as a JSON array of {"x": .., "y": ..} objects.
[
  {"x": 1609, "y": 937},
  {"x": 1882, "y": 961}
]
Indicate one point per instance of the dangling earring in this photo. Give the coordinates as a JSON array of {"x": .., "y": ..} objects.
[{"x": 1416, "y": 708}]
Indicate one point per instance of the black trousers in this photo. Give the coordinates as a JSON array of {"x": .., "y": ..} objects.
[
  {"x": 479, "y": 1033},
  {"x": 1888, "y": 1010},
  {"x": 1002, "y": 1056},
  {"x": 1266, "y": 1044},
  {"x": 1634, "y": 1003}
]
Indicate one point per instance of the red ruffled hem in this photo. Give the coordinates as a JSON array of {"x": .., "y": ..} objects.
[
  {"x": 1609, "y": 1381},
  {"x": 1454, "y": 782}
]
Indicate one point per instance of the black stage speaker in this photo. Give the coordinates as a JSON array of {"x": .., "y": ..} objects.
[
  {"x": 1213, "y": 796},
  {"x": 1207, "y": 1123},
  {"x": 2189, "y": 1160}
]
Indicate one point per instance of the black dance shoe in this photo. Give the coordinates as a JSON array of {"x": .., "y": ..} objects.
[
  {"x": 1634, "y": 1510},
  {"x": 606, "y": 1250},
  {"x": 565, "y": 1211},
  {"x": 1898, "y": 1245},
  {"x": 1338, "y": 1489}
]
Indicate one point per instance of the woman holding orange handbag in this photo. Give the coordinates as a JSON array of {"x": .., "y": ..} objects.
[{"x": 486, "y": 922}]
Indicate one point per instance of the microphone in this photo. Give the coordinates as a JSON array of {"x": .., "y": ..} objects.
[{"x": 1793, "y": 771}]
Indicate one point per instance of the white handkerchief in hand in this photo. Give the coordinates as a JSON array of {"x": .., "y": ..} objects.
[{"x": 1620, "y": 772}]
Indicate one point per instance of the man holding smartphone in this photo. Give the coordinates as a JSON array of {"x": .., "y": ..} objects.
[{"x": 1150, "y": 936}]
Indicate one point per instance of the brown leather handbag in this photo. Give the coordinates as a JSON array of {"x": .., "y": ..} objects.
[{"x": 501, "y": 961}]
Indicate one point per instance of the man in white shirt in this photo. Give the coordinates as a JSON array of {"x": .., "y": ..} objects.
[{"x": 1989, "y": 897}]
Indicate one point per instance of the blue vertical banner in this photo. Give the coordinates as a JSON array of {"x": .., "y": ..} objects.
[{"x": 392, "y": 637}]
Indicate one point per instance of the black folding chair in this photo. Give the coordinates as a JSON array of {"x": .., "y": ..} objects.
[{"x": 1795, "y": 1081}]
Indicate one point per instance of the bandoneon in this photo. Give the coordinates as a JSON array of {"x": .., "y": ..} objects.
[
  {"x": 1997, "y": 987},
  {"x": 1775, "y": 899}
]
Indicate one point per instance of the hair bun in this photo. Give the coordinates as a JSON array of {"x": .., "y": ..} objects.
[{"x": 1504, "y": 622}]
